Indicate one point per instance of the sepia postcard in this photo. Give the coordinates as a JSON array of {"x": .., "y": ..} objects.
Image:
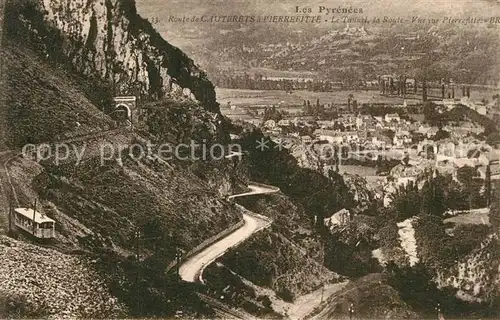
[{"x": 249, "y": 159}]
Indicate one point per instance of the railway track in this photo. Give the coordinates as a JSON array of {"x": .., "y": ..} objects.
[
  {"x": 8, "y": 195},
  {"x": 88, "y": 136},
  {"x": 4, "y": 194},
  {"x": 223, "y": 311}
]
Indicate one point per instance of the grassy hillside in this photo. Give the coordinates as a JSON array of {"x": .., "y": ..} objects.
[
  {"x": 271, "y": 260},
  {"x": 287, "y": 257},
  {"x": 42, "y": 102},
  {"x": 115, "y": 200}
]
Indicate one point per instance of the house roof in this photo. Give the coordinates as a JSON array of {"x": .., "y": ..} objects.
[{"x": 337, "y": 214}]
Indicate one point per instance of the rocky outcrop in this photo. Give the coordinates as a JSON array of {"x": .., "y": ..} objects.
[
  {"x": 109, "y": 41},
  {"x": 408, "y": 242},
  {"x": 477, "y": 276},
  {"x": 363, "y": 196}
]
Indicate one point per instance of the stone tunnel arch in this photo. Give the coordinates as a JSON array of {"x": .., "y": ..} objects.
[
  {"x": 125, "y": 109},
  {"x": 122, "y": 112}
]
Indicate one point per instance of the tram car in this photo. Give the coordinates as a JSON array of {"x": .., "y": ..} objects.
[{"x": 34, "y": 222}]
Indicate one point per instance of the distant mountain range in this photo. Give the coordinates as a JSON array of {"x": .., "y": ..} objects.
[{"x": 464, "y": 52}]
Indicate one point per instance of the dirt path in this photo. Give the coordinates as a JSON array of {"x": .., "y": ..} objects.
[
  {"x": 305, "y": 304},
  {"x": 408, "y": 242},
  {"x": 474, "y": 216}
]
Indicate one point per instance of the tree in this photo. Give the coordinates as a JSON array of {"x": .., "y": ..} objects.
[
  {"x": 441, "y": 134},
  {"x": 487, "y": 183},
  {"x": 493, "y": 138},
  {"x": 433, "y": 196},
  {"x": 466, "y": 175},
  {"x": 456, "y": 199},
  {"x": 404, "y": 200},
  {"x": 424, "y": 91},
  {"x": 349, "y": 101},
  {"x": 415, "y": 284},
  {"x": 430, "y": 113},
  {"x": 389, "y": 133}
]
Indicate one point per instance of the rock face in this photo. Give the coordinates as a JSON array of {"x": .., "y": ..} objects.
[
  {"x": 108, "y": 40},
  {"x": 477, "y": 276},
  {"x": 408, "y": 242}
]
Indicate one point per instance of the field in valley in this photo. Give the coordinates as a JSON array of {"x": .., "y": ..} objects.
[
  {"x": 244, "y": 97},
  {"x": 359, "y": 170}
]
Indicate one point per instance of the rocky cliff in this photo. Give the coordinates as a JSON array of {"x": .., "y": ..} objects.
[
  {"x": 476, "y": 276},
  {"x": 109, "y": 41}
]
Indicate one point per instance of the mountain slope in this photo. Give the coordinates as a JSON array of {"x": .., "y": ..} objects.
[
  {"x": 56, "y": 89},
  {"x": 99, "y": 207},
  {"x": 77, "y": 280},
  {"x": 44, "y": 103}
]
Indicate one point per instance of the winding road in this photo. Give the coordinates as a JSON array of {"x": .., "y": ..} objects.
[{"x": 192, "y": 269}]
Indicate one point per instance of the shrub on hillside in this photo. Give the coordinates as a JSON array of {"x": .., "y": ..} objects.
[
  {"x": 388, "y": 235},
  {"x": 17, "y": 306},
  {"x": 286, "y": 295},
  {"x": 436, "y": 249}
]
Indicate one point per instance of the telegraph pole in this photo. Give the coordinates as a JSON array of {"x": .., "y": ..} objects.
[
  {"x": 34, "y": 216},
  {"x": 137, "y": 244},
  {"x": 10, "y": 217},
  {"x": 138, "y": 275},
  {"x": 178, "y": 256},
  {"x": 488, "y": 185},
  {"x": 438, "y": 311}
]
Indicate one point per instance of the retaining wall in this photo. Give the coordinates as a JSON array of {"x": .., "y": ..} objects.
[{"x": 207, "y": 243}]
